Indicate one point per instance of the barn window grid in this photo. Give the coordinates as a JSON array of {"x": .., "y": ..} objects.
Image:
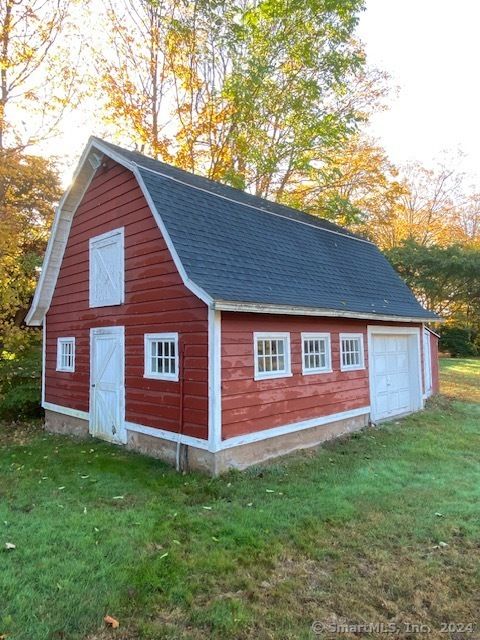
[
  {"x": 316, "y": 356},
  {"x": 66, "y": 354},
  {"x": 351, "y": 352},
  {"x": 272, "y": 355},
  {"x": 161, "y": 356}
]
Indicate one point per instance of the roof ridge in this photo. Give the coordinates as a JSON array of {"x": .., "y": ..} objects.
[
  {"x": 236, "y": 201},
  {"x": 252, "y": 206}
]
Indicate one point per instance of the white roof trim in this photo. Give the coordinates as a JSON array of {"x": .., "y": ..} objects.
[
  {"x": 253, "y": 307},
  {"x": 69, "y": 203},
  {"x": 432, "y": 331},
  {"x": 63, "y": 222}
]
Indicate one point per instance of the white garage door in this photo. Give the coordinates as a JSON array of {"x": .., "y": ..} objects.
[{"x": 392, "y": 373}]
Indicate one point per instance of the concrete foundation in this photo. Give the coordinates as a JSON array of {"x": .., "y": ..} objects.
[
  {"x": 239, "y": 457},
  {"x": 65, "y": 425}
]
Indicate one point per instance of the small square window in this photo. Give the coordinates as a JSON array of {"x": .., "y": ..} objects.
[
  {"x": 316, "y": 354},
  {"x": 66, "y": 354},
  {"x": 351, "y": 351},
  {"x": 272, "y": 355},
  {"x": 161, "y": 356}
]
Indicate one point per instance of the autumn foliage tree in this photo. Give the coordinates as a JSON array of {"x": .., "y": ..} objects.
[
  {"x": 29, "y": 189},
  {"x": 39, "y": 75},
  {"x": 248, "y": 92}
]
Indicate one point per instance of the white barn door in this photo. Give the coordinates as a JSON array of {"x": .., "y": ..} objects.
[{"x": 107, "y": 386}]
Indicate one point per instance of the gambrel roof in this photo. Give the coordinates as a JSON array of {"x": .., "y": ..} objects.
[{"x": 240, "y": 252}]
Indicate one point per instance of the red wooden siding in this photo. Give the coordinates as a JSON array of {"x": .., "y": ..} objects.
[
  {"x": 155, "y": 301},
  {"x": 435, "y": 371},
  {"x": 249, "y": 405}
]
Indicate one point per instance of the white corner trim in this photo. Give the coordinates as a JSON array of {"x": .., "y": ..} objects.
[
  {"x": 214, "y": 379},
  {"x": 171, "y": 436},
  {"x": 44, "y": 357},
  {"x": 293, "y": 310},
  {"x": 257, "y": 436},
  {"x": 432, "y": 331},
  {"x": 67, "y": 411}
]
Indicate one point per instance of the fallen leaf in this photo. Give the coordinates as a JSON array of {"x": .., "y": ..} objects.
[
  {"x": 164, "y": 555},
  {"x": 442, "y": 544},
  {"x": 61, "y": 488},
  {"x": 269, "y": 490},
  {"x": 9, "y": 546},
  {"x": 438, "y": 514},
  {"x": 176, "y": 541},
  {"x": 208, "y": 508},
  {"x": 111, "y": 622},
  {"x": 118, "y": 497}
]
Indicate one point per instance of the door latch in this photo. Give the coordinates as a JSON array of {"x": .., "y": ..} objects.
[{"x": 114, "y": 431}]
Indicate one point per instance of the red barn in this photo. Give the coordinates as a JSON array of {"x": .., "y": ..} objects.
[{"x": 198, "y": 323}]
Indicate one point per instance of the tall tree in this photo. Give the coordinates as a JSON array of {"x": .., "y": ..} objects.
[
  {"x": 37, "y": 77},
  {"x": 446, "y": 279},
  {"x": 467, "y": 219},
  {"x": 29, "y": 189},
  {"x": 355, "y": 184},
  {"x": 426, "y": 211},
  {"x": 244, "y": 91}
]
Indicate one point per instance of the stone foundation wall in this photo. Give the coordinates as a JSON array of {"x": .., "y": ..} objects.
[
  {"x": 65, "y": 425},
  {"x": 239, "y": 457}
]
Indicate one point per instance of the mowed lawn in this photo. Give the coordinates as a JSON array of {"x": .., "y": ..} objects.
[{"x": 382, "y": 527}]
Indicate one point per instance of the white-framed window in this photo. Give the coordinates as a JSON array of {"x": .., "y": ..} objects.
[
  {"x": 316, "y": 353},
  {"x": 351, "y": 351},
  {"x": 271, "y": 355},
  {"x": 161, "y": 356},
  {"x": 66, "y": 354},
  {"x": 107, "y": 269}
]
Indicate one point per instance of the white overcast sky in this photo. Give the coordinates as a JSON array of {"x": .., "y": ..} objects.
[{"x": 431, "y": 49}]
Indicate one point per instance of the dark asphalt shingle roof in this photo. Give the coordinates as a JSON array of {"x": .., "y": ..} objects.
[{"x": 240, "y": 248}]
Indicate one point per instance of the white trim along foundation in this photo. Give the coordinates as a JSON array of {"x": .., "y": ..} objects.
[{"x": 216, "y": 457}]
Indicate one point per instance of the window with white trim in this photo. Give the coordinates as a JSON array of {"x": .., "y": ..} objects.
[
  {"x": 161, "y": 356},
  {"x": 66, "y": 354},
  {"x": 272, "y": 355},
  {"x": 107, "y": 277},
  {"x": 351, "y": 351},
  {"x": 316, "y": 353}
]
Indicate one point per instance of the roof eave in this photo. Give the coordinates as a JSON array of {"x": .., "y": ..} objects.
[
  {"x": 255, "y": 307},
  {"x": 64, "y": 213}
]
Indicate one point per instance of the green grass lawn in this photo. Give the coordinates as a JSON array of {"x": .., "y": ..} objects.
[{"x": 381, "y": 527}]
